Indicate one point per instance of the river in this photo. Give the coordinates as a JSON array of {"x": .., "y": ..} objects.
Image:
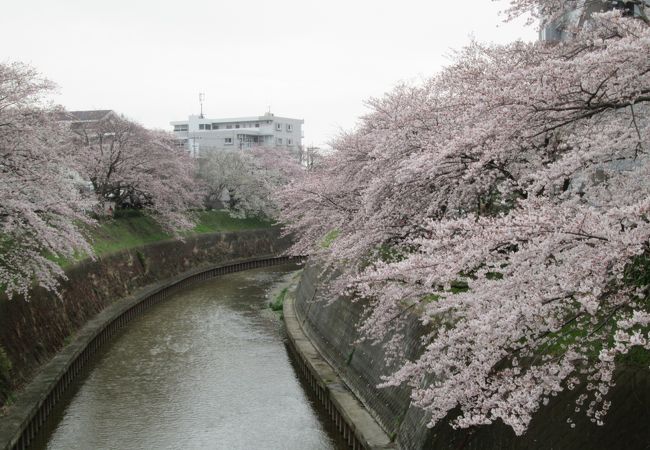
[{"x": 205, "y": 369}]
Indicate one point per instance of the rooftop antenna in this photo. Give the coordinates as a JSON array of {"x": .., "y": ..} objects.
[{"x": 201, "y": 98}]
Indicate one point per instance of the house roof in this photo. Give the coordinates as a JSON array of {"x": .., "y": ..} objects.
[{"x": 88, "y": 116}]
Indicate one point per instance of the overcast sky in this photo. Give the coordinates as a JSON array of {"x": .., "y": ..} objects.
[{"x": 315, "y": 60}]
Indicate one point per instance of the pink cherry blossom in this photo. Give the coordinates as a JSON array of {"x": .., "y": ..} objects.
[
  {"x": 506, "y": 203},
  {"x": 42, "y": 204}
]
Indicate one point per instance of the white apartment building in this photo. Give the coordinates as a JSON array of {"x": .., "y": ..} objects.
[{"x": 200, "y": 135}]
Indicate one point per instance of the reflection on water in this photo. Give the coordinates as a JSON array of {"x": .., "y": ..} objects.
[{"x": 206, "y": 369}]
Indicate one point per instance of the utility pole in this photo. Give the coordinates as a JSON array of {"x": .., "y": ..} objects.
[{"x": 201, "y": 98}]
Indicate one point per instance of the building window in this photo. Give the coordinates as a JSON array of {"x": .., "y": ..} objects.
[
  {"x": 208, "y": 126},
  {"x": 228, "y": 141},
  {"x": 215, "y": 126},
  {"x": 289, "y": 142},
  {"x": 289, "y": 127},
  {"x": 237, "y": 126},
  {"x": 229, "y": 126},
  {"x": 201, "y": 126},
  {"x": 257, "y": 125},
  {"x": 180, "y": 127},
  {"x": 279, "y": 141},
  {"x": 278, "y": 126}
]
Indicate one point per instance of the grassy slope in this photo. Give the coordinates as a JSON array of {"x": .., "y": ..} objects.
[{"x": 132, "y": 230}]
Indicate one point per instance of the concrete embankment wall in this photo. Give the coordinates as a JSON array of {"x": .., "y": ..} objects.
[
  {"x": 332, "y": 329},
  {"x": 32, "y": 332},
  {"x": 350, "y": 417}
]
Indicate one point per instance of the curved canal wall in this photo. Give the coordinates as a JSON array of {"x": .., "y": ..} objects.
[
  {"x": 32, "y": 332},
  {"x": 330, "y": 327}
]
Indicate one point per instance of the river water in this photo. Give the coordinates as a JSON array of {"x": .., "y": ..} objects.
[{"x": 206, "y": 369}]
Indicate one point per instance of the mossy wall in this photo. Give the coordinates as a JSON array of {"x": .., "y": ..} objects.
[
  {"x": 332, "y": 327},
  {"x": 32, "y": 331}
]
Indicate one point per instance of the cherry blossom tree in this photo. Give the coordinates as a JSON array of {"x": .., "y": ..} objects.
[
  {"x": 223, "y": 172},
  {"x": 506, "y": 203},
  {"x": 42, "y": 205},
  {"x": 309, "y": 156},
  {"x": 550, "y": 10},
  {"x": 249, "y": 177},
  {"x": 132, "y": 167}
]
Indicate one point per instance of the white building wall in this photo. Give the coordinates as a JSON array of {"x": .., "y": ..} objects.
[{"x": 200, "y": 135}]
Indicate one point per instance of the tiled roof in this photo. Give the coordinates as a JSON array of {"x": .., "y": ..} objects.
[{"x": 89, "y": 116}]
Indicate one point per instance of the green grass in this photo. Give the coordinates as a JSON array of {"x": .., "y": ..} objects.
[
  {"x": 133, "y": 229},
  {"x": 125, "y": 232},
  {"x": 278, "y": 301},
  {"x": 348, "y": 361},
  {"x": 329, "y": 238},
  {"x": 211, "y": 221},
  {"x": 458, "y": 286}
]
